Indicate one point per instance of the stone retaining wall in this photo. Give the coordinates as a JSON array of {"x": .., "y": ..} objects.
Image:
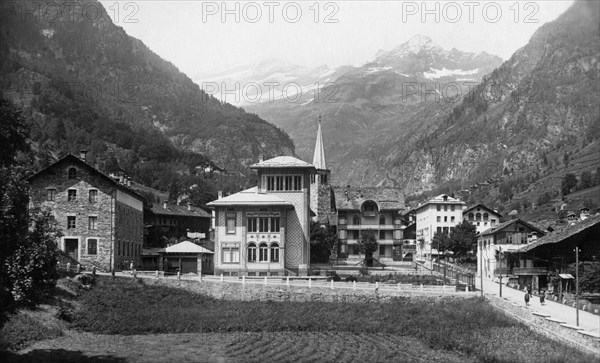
[{"x": 552, "y": 329}]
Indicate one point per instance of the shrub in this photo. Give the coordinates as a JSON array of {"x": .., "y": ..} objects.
[{"x": 32, "y": 268}]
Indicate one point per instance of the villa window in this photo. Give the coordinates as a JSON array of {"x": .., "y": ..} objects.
[
  {"x": 356, "y": 220},
  {"x": 72, "y": 173},
  {"x": 252, "y": 224},
  {"x": 471, "y": 216},
  {"x": 275, "y": 224},
  {"x": 478, "y": 216},
  {"x": 438, "y": 218},
  {"x": 439, "y": 207},
  {"x": 251, "y": 252},
  {"x": 263, "y": 224},
  {"x": 452, "y": 219},
  {"x": 263, "y": 252},
  {"x": 72, "y": 195},
  {"x": 381, "y": 235},
  {"x": 445, "y": 207},
  {"x": 485, "y": 216},
  {"x": 493, "y": 222},
  {"x": 230, "y": 222},
  {"x": 274, "y": 252},
  {"x": 284, "y": 183},
  {"x": 71, "y": 222},
  {"x": 452, "y": 208},
  {"x": 445, "y": 219},
  {"x": 231, "y": 254},
  {"x": 382, "y": 220}
]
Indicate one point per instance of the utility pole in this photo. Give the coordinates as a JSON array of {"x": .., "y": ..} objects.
[
  {"x": 500, "y": 269},
  {"x": 577, "y": 284},
  {"x": 481, "y": 269}
]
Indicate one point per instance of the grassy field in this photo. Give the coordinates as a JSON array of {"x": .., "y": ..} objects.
[{"x": 455, "y": 328}]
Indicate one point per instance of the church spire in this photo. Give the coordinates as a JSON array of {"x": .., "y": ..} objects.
[{"x": 319, "y": 155}]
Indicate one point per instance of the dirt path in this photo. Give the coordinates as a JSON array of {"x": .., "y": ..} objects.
[{"x": 234, "y": 347}]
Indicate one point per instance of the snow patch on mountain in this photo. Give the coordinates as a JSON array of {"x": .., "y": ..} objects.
[{"x": 439, "y": 73}]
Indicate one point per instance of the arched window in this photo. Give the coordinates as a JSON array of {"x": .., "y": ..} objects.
[
  {"x": 478, "y": 216},
  {"x": 471, "y": 216},
  {"x": 369, "y": 206},
  {"x": 72, "y": 173},
  {"x": 263, "y": 252},
  {"x": 485, "y": 216},
  {"x": 356, "y": 220},
  {"x": 274, "y": 252},
  {"x": 381, "y": 219},
  {"x": 251, "y": 252}
]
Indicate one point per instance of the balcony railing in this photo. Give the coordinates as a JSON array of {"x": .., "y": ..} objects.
[
  {"x": 530, "y": 270},
  {"x": 502, "y": 271},
  {"x": 371, "y": 226}
]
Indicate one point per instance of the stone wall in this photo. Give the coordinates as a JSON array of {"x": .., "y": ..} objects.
[{"x": 552, "y": 329}]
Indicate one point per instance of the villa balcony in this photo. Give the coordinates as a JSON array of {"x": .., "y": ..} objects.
[
  {"x": 530, "y": 271},
  {"x": 370, "y": 227},
  {"x": 502, "y": 271}
]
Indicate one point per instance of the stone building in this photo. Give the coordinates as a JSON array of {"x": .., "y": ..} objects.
[
  {"x": 100, "y": 218},
  {"x": 378, "y": 210},
  {"x": 167, "y": 221},
  {"x": 437, "y": 215},
  {"x": 265, "y": 230},
  {"x": 482, "y": 217}
]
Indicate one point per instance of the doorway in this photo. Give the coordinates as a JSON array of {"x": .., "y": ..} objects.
[{"x": 72, "y": 248}]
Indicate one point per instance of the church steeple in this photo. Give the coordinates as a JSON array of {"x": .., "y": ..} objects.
[{"x": 319, "y": 155}]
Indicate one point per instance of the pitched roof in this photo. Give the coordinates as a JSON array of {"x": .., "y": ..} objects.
[
  {"x": 185, "y": 247},
  {"x": 74, "y": 159},
  {"x": 282, "y": 162},
  {"x": 250, "y": 197},
  {"x": 508, "y": 223},
  {"x": 560, "y": 236},
  {"x": 180, "y": 210},
  {"x": 481, "y": 206},
  {"x": 441, "y": 199},
  {"x": 353, "y": 198}
]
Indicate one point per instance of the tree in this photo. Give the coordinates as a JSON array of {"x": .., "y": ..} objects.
[
  {"x": 589, "y": 275},
  {"x": 323, "y": 240},
  {"x": 368, "y": 245},
  {"x": 13, "y": 133},
  {"x": 463, "y": 238},
  {"x": 569, "y": 182},
  {"x": 585, "y": 180},
  {"x": 441, "y": 242},
  {"x": 544, "y": 199}
]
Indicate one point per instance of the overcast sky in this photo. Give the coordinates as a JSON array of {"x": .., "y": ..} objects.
[{"x": 200, "y": 37}]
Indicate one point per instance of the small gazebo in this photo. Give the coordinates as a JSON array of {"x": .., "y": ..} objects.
[{"x": 186, "y": 257}]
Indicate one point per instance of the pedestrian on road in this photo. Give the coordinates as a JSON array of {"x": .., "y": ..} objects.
[
  {"x": 526, "y": 299},
  {"x": 529, "y": 289},
  {"x": 542, "y": 297}
]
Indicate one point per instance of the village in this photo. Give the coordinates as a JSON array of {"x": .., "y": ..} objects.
[{"x": 266, "y": 230}]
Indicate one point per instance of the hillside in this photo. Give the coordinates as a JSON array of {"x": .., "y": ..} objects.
[
  {"x": 532, "y": 120},
  {"x": 88, "y": 85}
]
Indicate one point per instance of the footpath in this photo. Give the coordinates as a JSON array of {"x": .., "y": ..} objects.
[{"x": 589, "y": 322}]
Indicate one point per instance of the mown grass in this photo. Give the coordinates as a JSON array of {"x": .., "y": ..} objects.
[{"x": 468, "y": 326}]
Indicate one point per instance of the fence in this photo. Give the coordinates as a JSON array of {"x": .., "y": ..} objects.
[
  {"x": 310, "y": 282},
  {"x": 454, "y": 273}
]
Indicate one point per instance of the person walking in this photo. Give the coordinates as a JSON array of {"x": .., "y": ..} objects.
[
  {"x": 542, "y": 297},
  {"x": 527, "y": 299}
]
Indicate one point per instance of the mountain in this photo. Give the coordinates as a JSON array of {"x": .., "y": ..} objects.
[
  {"x": 263, "y": 81},
  {"x": 374, "y": 114},
  {"x": 86, "y": 84},
  {"x": 532, "y": 120}
]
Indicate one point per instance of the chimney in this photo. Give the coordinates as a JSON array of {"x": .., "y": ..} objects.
[
  {"x": 261, "y": 158},
  {"x": 219, "y": 194},
  {"x": 165, "y": 205},
  {"x": 82, "y": 154}
]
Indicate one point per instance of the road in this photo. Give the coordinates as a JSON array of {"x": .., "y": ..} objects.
[{"x": 588, "y": 321}]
